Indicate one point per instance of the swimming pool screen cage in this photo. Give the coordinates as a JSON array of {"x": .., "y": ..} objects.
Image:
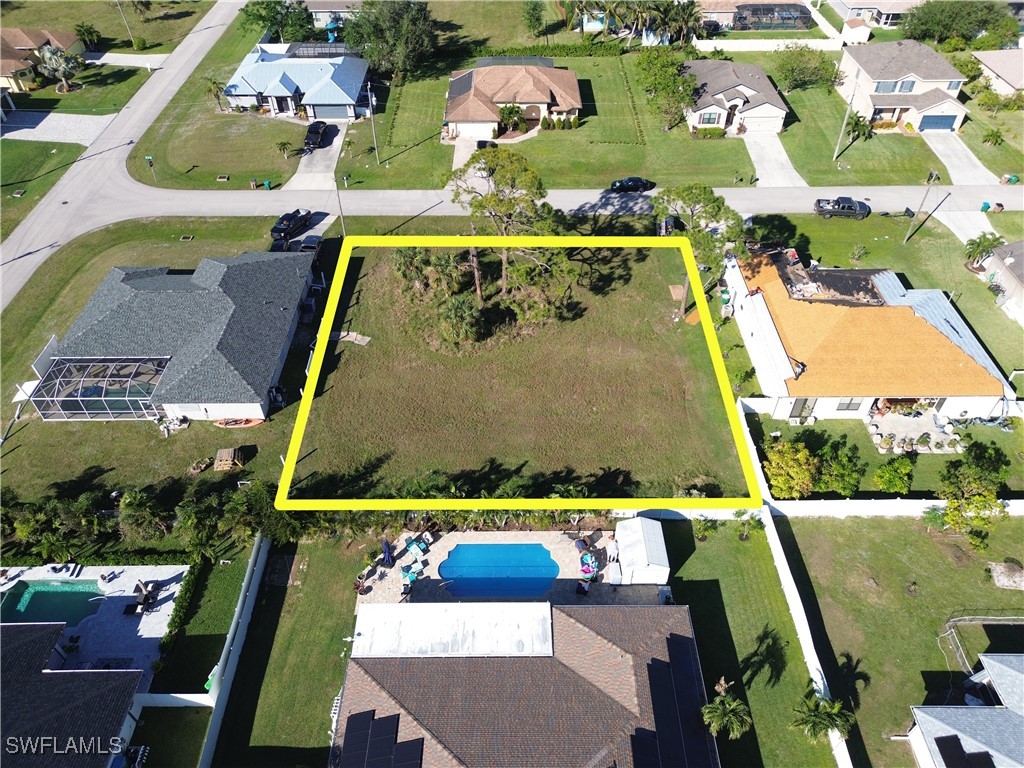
[
  {"x": 772, "y": 16},
  {"x": 99, "y": 388}
]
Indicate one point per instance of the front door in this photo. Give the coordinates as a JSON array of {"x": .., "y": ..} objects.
[
  {"x": 284, "y": 104},
  {"x": 731, "y": 115}
]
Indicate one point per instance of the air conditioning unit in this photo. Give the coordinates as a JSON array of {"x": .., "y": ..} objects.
[{"x": 795, "y": 422}]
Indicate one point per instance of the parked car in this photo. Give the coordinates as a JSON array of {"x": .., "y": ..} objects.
[
  {"x": 484, "y": 144},
  {"x": 309, "y": 244},
  {"x": 284, "y": 244},
  {"x": 841, "y": 206},
  {"x": 632, "y": 184},
  {"x": 315, "y": 134},
  {"x": 290, "y": 224}
]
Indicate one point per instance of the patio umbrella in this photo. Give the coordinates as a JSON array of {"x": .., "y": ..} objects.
[{"x": 388, "y": 555}]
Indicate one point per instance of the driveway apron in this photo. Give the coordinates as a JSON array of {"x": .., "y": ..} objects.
[{"x": 771, "y": 163}]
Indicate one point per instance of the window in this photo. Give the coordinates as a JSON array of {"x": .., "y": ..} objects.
[
  {"x": 887, "y": 86},
  {"x": 709, "y": 118},
  {"x": 849, "y": 404},
  {"x": 906, "y": 86},
  {"x": 954, "y": 85}
]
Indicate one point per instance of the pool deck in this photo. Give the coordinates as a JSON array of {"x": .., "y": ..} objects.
[
  {"x": 108, "y": 638},
  {"x": 384, "y": 585}
]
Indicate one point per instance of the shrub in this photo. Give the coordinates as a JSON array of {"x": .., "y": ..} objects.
[
  {"x": 909, "y": 127},
  {"x": 140, "y": 44},
  {"x": 585, "y": 49},
  {"x": 895, "y": 475},
  {"x": 558, "y": 123},
  {"x": 709, "y": 133},
  {"x": 184, "y": 597},
  {"x": 494, "y": 132},
  {"x": 883, "y": 125},
  {"x": 544, "y": 123},
  {"x": 993, "y": 136},
  {"x": 521, "y": 126},
  {"x": 575, "y": 121},
  {"x": 953, "y": 45}
]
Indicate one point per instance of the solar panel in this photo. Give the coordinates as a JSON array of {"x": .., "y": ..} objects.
[
  {"x": 408, "y": 754},
  {"x": 519, "y": 61},
  {"x": 666, "y": 714},
  {"x": 460, "y": 86},
  {"x": 682, "y": 654}
]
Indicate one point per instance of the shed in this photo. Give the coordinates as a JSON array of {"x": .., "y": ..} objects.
[{"x": 643, "y": 556}]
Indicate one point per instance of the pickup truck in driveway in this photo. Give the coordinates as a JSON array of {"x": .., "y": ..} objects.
[{"x": 841, "y": 206}]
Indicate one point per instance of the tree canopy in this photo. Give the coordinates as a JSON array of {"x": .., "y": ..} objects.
[
  {"x": 970, "y": 487},
  {"x": 670, "y": 91},
  {"x": 288, "y": 20},
  {"x": 394, "y": 37},
  {"x": 941, "y": 20},
  {"x": 533, "y": 17},
  {"x": 790, "y": 469},
  {"x": 710, "y": 224},
  {"x": 799, "y": 66}
]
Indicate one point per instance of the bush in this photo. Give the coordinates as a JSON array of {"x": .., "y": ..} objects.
[
  {"x": 544, "y": 123},
  {"x": 184, "y": 597},
  {"x": 883, "y": 125},
  {"x": 585, "y": 49},
  {"x": 909, "y": 127},
  {"x": 575, "y": 121},
  {"x": 895, "y": 475},
  {"x": 140, "y": 44},
  {"x": 709, "y": 133},
  {"x": 953, "y": 45},
  {"x": 558, "y": 123},
  {"x": 494, "y": 132}
]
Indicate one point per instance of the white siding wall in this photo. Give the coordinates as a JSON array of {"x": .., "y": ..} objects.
[
  {"x": 214, "y": 411},
  {"x": 971, "y": 407},
  {"x": 999, "y": 85},
  {"x": 241, "y": 101}
]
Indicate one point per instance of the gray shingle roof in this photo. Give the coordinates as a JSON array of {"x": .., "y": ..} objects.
[
  {"x": 224, "y": 326},
  {"x": 719, "y": 81},
  {"x": 1008, "y": 65},
  {"x": 918, "y": 101},
  {"x": 62, "y": 705},
  {"x": 899, "y": 59},
  {"x": 1014, "y": 254}
]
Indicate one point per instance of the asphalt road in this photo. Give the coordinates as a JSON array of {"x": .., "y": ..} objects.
[{"x": 97, "y": 190}]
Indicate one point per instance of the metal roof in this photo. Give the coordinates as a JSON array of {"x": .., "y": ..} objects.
[{"x": 274, "y": 70}]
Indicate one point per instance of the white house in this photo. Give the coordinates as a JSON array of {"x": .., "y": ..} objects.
[
  {"x": 324, "y": 78},
  {"x": 154, "y": 342},
  {"x": 475, "y": 96},
  {"x": 737, "y": 97},
  {"x": 834, "y": 343},
  {"x": 338, "y": 11},
  {"x": 878, "y": 13},
  {"x": 905, "y": 82},
  {"x": 1004, "y": 69},
  {"x": 1005, "y": 267},
  {"x": 722, "y": 11}
]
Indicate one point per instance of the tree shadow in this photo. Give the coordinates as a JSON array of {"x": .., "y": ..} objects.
[
  {"x": 86, "y": 481},
  {"x": 104, "y": 75},
  {"x": 359, "y": 483},
  {"x": 602, "y": 270},
  {"x": 587, "y": 97},
  {"x": 773, "y": 228},
  {"x": 768, "y": 656},
  {"x": 850, "y": 680}
]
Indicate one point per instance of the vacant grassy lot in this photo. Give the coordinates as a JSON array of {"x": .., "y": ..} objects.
[
  {"x": 174, "y": 735},
  {"x": 744, "y": 632},
  {"x": 107, "y": 89},
  {"x": 200, "y": 641},
  {"x": 927, "y": 467},
  {"x": 1006, "y": 158},
  {"x": 162, "y": 27},
  {"x": 933, "y": 258},
  {"x": 548, "y": 401},
  {"x": 192, "y": 142},
  {"x": 35, "y": 167},
  {"x": 859, "y": 572},
  {"x": 293, "y": 663},
  {"x": 496, "y": 24}
]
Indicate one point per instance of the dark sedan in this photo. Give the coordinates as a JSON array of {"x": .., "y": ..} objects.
[
  {"x": 632, "y": 184},
  {"x": 315, "y": 134},
  {"x": 291, "y": 224}
]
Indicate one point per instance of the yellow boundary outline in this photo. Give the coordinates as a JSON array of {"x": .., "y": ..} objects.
[{"x": 283, "y": 501}]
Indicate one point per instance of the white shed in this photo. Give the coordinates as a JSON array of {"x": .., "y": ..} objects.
[{"x": 643, "y": 557}]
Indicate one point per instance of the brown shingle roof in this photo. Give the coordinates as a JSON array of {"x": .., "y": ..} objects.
[
  {"x": 34, "y": 39},
  {"x": 853, "y": 351},
  {"x": 501, "y": 84},
  {"x": 12, "y": 60}
]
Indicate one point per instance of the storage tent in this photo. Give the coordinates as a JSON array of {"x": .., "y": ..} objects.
[{"x": 643, "y": 558}]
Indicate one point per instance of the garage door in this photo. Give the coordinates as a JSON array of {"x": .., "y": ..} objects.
[
  {"x": 937, "y": 123},
  {"x": 337, "y": 112}
]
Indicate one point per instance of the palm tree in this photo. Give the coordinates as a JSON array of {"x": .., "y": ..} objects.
[
  {"x": 88, "y": 34},
  {"x": 577, "y": 10},
  {"x": 57, "y": 63},
  {"x": 980, "y": 248},
  {"x": 214, "y": 89},
  {"x": 637, "y": 16},
  {"x": 816, "y": 716},
  {"x": 284, "y": 147},
  {"x": 683, "y": 20},
  {"x": 726, "y": 713},
  {"x": 614, "y": 11},
  {"x": 859, "y": 127}
]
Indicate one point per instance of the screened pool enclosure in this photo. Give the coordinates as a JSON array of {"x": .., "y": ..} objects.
[{"x": 99, "y": 388}]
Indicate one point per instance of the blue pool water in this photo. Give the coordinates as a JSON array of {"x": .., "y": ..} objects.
[
  {"x": 53, "y": 600},
  {"x": 498, "y": 570}
]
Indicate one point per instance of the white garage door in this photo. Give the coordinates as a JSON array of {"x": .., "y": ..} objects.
[{"x": 762, "y": 124}]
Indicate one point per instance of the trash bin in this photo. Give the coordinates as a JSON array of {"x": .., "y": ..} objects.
[
  {"x": 984, "y": 206},
  {"x": 1014, "y": 179},
  {"x": 997, "y": 208},
  {"x": 266, "y": 185}
]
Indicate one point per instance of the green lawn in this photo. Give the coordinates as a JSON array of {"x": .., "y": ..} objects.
[
  {"x": 35, "y": 167},
  {"x": 879, "y": 35},
  {"x": 859, "y": 574},
  {"x": 174, "y": 735},
  {"x": 163, "y": 26},
  {"x": 1011, "y": 227},
  {"x": 734, "y": 595},
  {"x": 737, "y": 360},
  {"x": 933, "y": 258},
  {"x": 107, "y": 89},
  {"x": 496, "y": 24},
  {"x": 773, "y": 34},
  {"x": 546, "y": 400},
  {"x": 831, "y": 16},
  {"x": 192, "y": 142},
  {"x": 1008, "y": 157},
  {"x": 293, "y": 663},
  {"x": 927, "y": 467},
  {"x": 200, "y": 641}
]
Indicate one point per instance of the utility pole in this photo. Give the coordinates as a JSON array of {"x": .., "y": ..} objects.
[
  {"x": 933, "y": 176},
  {"x": 341, "y": 213},
  {"x": 130, "y": 36},
  {"x": 373, "y": 126},
  {"x": 842, "y": 128}
]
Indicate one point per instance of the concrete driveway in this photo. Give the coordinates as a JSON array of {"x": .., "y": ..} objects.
[
  {"x": 150, "y": 61},
  {"x": 963, "y": 166},
  {"x": 62, "y": 127},
  {"x": 771, "y": 163},
  {"x": 316, "y": 167}
]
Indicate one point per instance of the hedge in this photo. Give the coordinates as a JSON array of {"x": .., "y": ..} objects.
[
  {"x": 572, "y": 50},
  {"x": 709, "y": 133},
  {"x": 113, "y": 559}
]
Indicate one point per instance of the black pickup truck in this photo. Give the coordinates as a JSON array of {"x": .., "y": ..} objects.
[{"x": 841, "y": 206}]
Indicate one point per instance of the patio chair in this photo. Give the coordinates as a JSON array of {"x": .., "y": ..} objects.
[{"x": 426, "y": 537}]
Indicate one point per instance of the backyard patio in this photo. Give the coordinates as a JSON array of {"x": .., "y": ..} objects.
[{"x": 385, "y": 585}]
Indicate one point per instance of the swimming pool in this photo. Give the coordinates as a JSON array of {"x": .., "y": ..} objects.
[
  {"x": 498, "y": 570},
  {"x": 52, "y": 600}
]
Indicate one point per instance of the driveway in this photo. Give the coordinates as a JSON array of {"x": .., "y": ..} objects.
[
  {"x": 961, "y": 163},
  {"x": 150, "y": 61},
  {"x": 316, "y": 167},
  {"x": 771, "y": 163},
  {"x": 61, "y": 127},
  {"x": 966, "y": 225},
  {"x": 464, "y": 149}
]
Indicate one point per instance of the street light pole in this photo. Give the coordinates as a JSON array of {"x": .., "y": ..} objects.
[
  {"x": 933, "y": 176},
  {"x": 373, "y": 126},
  {"x": 842, "y": 128},
  {"x": 130, "y": 36},
  {"x": 341, "y": 213}
]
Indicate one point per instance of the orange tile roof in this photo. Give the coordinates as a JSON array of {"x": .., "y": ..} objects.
[
  {"x": 513, "y": 84},
  {"x": 854, "y": 351}
]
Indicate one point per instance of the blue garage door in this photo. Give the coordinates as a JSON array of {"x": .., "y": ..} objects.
[{"x": 937, "y": 123}]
